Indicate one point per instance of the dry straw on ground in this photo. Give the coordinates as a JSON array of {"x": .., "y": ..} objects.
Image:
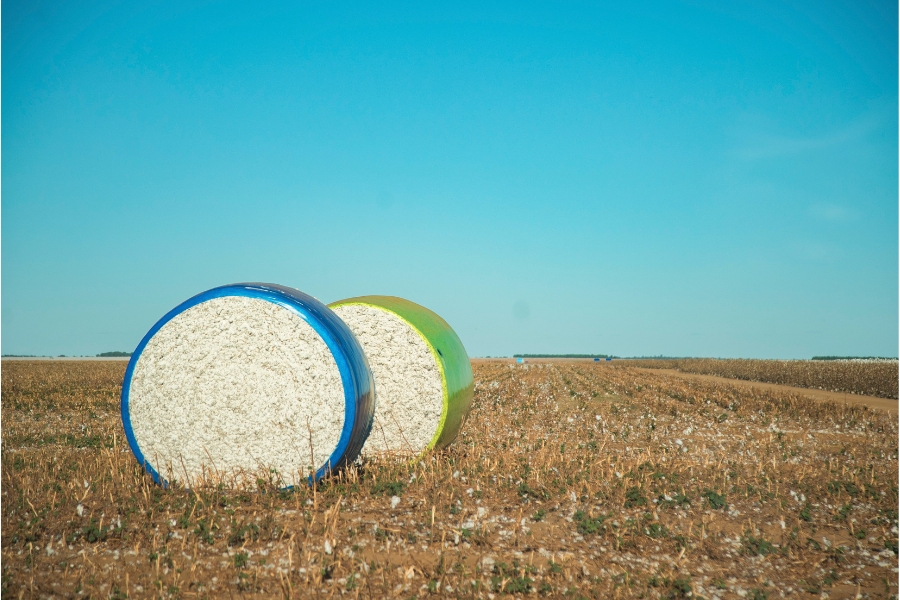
[{"x": 583, "y": 480}]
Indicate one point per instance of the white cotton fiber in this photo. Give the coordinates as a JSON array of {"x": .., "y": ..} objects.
[
  {"x": 236, "y": 385},
  {"x": 408, "y": 387}
]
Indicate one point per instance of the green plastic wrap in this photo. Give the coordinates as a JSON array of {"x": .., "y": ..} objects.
[{"x": 448, "y": 352}]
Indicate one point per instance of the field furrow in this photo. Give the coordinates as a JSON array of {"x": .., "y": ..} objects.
[{"x": 575, "y": 479}]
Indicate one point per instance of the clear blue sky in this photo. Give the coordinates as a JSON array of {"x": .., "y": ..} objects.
[{"x": 706, "y": 179}]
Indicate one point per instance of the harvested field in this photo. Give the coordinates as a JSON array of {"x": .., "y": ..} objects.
[
  {"x": 575, "y": 480},
  {"x": 887, "y": 404},
  {"x": 867, "y": 377}
]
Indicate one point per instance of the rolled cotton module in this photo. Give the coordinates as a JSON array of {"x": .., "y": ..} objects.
[
  {"x": 243, "y": 379},
  {"x": 423, "y": 378}
]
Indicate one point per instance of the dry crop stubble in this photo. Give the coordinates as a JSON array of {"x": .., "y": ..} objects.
[
  {"x": 867, "y": 377},
  {"x": 578, "y": 479}
]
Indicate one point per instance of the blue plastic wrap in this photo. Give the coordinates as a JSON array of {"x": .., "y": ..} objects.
[{"x": 356, "y": 377}]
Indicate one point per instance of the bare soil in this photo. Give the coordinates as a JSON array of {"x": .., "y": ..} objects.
[
  {"x": 879, "y": 378},
  {"x": 568, "y": 480},
  {"x": 885, "y": 404}
]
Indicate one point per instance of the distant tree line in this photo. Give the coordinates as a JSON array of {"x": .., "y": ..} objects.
[
  {"x": 563, "y": 356},
  {"x": 854, "y": 358},
  {"x": 659, "y": 357}
]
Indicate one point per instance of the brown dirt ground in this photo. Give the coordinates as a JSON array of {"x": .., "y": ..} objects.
[
  {"x": 886, "y": 404},
  {"x": 568, "y": 480}
]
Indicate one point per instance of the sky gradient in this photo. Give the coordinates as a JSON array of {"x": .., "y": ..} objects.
[{"x": 679, "y": 179}]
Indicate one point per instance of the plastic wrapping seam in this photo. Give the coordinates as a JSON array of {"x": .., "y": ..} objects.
[{"x": 356, "y": 377}]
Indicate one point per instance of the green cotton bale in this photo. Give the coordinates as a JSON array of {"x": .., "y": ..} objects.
[{"x": 423, "y": 377}]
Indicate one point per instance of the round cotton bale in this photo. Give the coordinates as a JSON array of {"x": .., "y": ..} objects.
[
  {"x": 246, "y": 379},
  {"x": 423, "y": 378}
]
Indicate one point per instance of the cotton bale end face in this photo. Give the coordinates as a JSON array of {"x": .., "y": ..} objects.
[
  {"x": 423, "y": 377},
  {"x": 246, "y": 379}
]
